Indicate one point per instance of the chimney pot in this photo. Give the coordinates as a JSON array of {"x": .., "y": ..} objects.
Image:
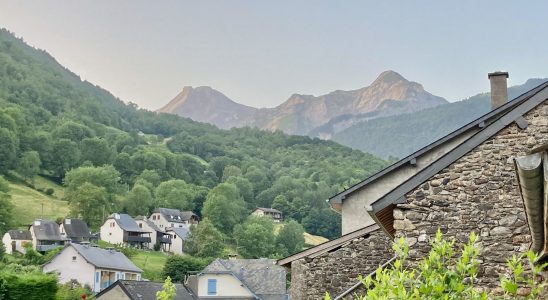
[{"x": 499, "y": 88}]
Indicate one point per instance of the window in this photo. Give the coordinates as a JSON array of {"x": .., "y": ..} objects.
[
  {"x": 212, "y": 286},
  {"x": 96, "y": 276},
  {"x": 74, "y": 258},
  {"x": 140, "y": 225}
]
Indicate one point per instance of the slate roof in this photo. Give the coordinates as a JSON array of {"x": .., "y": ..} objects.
[
  {"x": 45, "y": 230},
  {"x": 126, "y": 222},
  {"x": 23, "y": 235},
  {"x": 532, "y": 173},
  {"x": 149, "y": 223},
  {"x": 76, "y": 228},
  {"x": 270, "y": 210},
  {"x": 507, "y": 113},
  {"x": 108, "y": 259},
  {"x": 261, "y": 276},
  {"x": 181, "y": 232},
  {"x": 145, "y": 290},
  {"x": 175, "y": 215}
]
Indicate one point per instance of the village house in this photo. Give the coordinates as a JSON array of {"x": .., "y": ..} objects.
[
  {"x": 140, "y": 290},
  {"x": 76, "y": 231},
  {"x": 45, "y": 235},
  {"x": 168, "y": 217},
  {"x": 178, "y": 238},
  {"x": 239, "y": 279},
  {"x": 98, "y": 268},
  {"x": 158, "y": 235},
  {"x": 463, "y": 182},
  {"x": 15, "y": 241},
  {"x": 121, "y": 229},
  {"x": 275, "y": 214}
]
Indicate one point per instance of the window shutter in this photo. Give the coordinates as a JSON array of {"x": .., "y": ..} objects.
[
  {"x": 212, "y": 286},
  {"x": 96, "y": 276}
]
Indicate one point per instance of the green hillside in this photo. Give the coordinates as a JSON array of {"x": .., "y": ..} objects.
[
  {"x": 114, "y": 157},
  {"x": 399, "y": 136}
]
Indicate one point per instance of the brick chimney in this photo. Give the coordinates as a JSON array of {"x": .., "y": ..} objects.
[{"x": 499, "y": 88}]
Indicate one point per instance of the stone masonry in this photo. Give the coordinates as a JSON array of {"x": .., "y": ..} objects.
[
  {"x": 338, "y": 270},
  {"x": 478, "y": 192}
]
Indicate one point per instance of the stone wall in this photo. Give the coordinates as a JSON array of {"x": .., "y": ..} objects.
[
  {"x": 478, "y": 192},
  {"x": 338, "y": 270}
]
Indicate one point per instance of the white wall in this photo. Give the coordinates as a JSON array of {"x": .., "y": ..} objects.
[
  {"x": 227, "y": 286},
  {"x": 19, "y": 244},
  {"x": 176, "y": 244},
  {"x": 68, "y": 269},
  {"x": 113, "y": 235}
]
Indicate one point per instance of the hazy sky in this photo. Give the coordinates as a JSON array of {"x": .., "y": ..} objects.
[{"x": 260, "y": 52}]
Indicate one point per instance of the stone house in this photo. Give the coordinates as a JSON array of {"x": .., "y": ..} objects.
[
  {"x": 75, "y": 230},
  {"x": 140, "y": 290},
  {"x": 121, "y": 229},
  {"x": 95, "y": 267},
  {"x": 46, "y": 235},
  {"x": 15, "y": 240},
  {"x": 168, "y": 217},
  {"x": 275, "y": 214},
  {"x": 178, "y": 237},
  {"x": 239, "y": 279},
  {"x": 463, "y": 182}
]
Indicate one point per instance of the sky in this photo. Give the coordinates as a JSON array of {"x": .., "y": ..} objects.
[{"x": 258, "y": 53}]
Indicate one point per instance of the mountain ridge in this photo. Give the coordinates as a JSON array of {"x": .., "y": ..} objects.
[{"x": 390, "y": 93}]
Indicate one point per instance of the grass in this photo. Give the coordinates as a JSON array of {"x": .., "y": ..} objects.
[
  {"x": 151, "y": 262},
  {"x": 313, "y": 239},
  {"x": 31, "y": 204}
]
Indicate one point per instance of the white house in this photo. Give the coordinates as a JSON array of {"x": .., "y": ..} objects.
[
  {"x": 275, "y": 214},
  {"x": 157, "y": 235},
  {"x": 121, "y": 229},
  {"x": 15, "y": 240},
  {"x": 167, "y": 217},
  {"x": 96, "y": 267},
  {"x": 178, "y": 238},
  {"x": 239, "y": 279},
  {"x": 46, "y": 235}
]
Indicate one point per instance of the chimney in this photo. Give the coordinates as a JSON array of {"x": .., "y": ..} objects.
[{"x": 499, "y": 89}]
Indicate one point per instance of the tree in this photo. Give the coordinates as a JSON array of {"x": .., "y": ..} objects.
[
  {"x": 2, "y": 251},
  {"x": 88, "y": 202},
  {"x": 8, "y": 150},
  {"x": 151, "y": 176},
  {"x": 178, "y": 266},
  {"x": 176, "y": 194},
  {"x": 244, "y": 186},
  {"x": 29, "y": 165},
  {"x": 6, "y": 207},
  {"x": 291, "y": 237},
  {"x": 204, "y": 240},
  {"x": 65, "y": 156},
  {"x": 224, "y": 207},
  {"x": 139, "y": 201},
  {"x": 106, "y": 177},
  {"x": 230, "y": 171},
  {"x": 255, "y": 237},
  {"x": 96, "y": 150},
  {"x": 168, "y": 291},
  {"x": 72, "y": 131}
]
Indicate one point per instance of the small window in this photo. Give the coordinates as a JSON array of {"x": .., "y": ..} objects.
[
  {"x": 140, "y": 225},
  {"x": 212, "y": 286},
  {"x": 74, "y": 258}
]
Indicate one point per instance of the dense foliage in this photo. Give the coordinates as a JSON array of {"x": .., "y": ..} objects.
[
  {"x": 399, "y": 136},
  {"x": 178, "y": 266},
  {"x": 54, "y": 124},
  {"x": 444, "y": 274}
]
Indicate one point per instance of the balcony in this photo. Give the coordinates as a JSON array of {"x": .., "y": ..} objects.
[
  {"x": 138, "y": 239},
  {"x": 44, "y": 248},
  {"x": 164, "y": 240}
]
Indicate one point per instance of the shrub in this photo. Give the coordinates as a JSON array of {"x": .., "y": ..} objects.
[
  {"x": 49, "y": 191},
  {"x": 178, "y": 266},
  {"x": 157, "y": 247},
  {"x": 30, "y": 286}
]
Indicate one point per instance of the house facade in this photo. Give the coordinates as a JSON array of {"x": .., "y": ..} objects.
[
  {"x": 178, "y": 238},
  {"x": 464, "y": 182},
  {"x": 167, "y": 217},
  {"x": 121, "y": 229},
  {"x": 46, "y": 235},
  {"x": 239, "y": 279},
  {"x": 95, "y": 267},
  {"x": 275, "y": 214},
  {"x": 157, "y": 235},
  {"x": 15, "y": 241}
]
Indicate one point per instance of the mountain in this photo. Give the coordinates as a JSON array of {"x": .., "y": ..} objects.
[
  {"x": 389, "y": 94},
  {"x": 207, "y": 105},
  {"x": 399, "y": 136}
]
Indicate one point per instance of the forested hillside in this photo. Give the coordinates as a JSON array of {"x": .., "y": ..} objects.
[
  {"x": 399, "y": 136},
  {"x": 116, "y": 157}
]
